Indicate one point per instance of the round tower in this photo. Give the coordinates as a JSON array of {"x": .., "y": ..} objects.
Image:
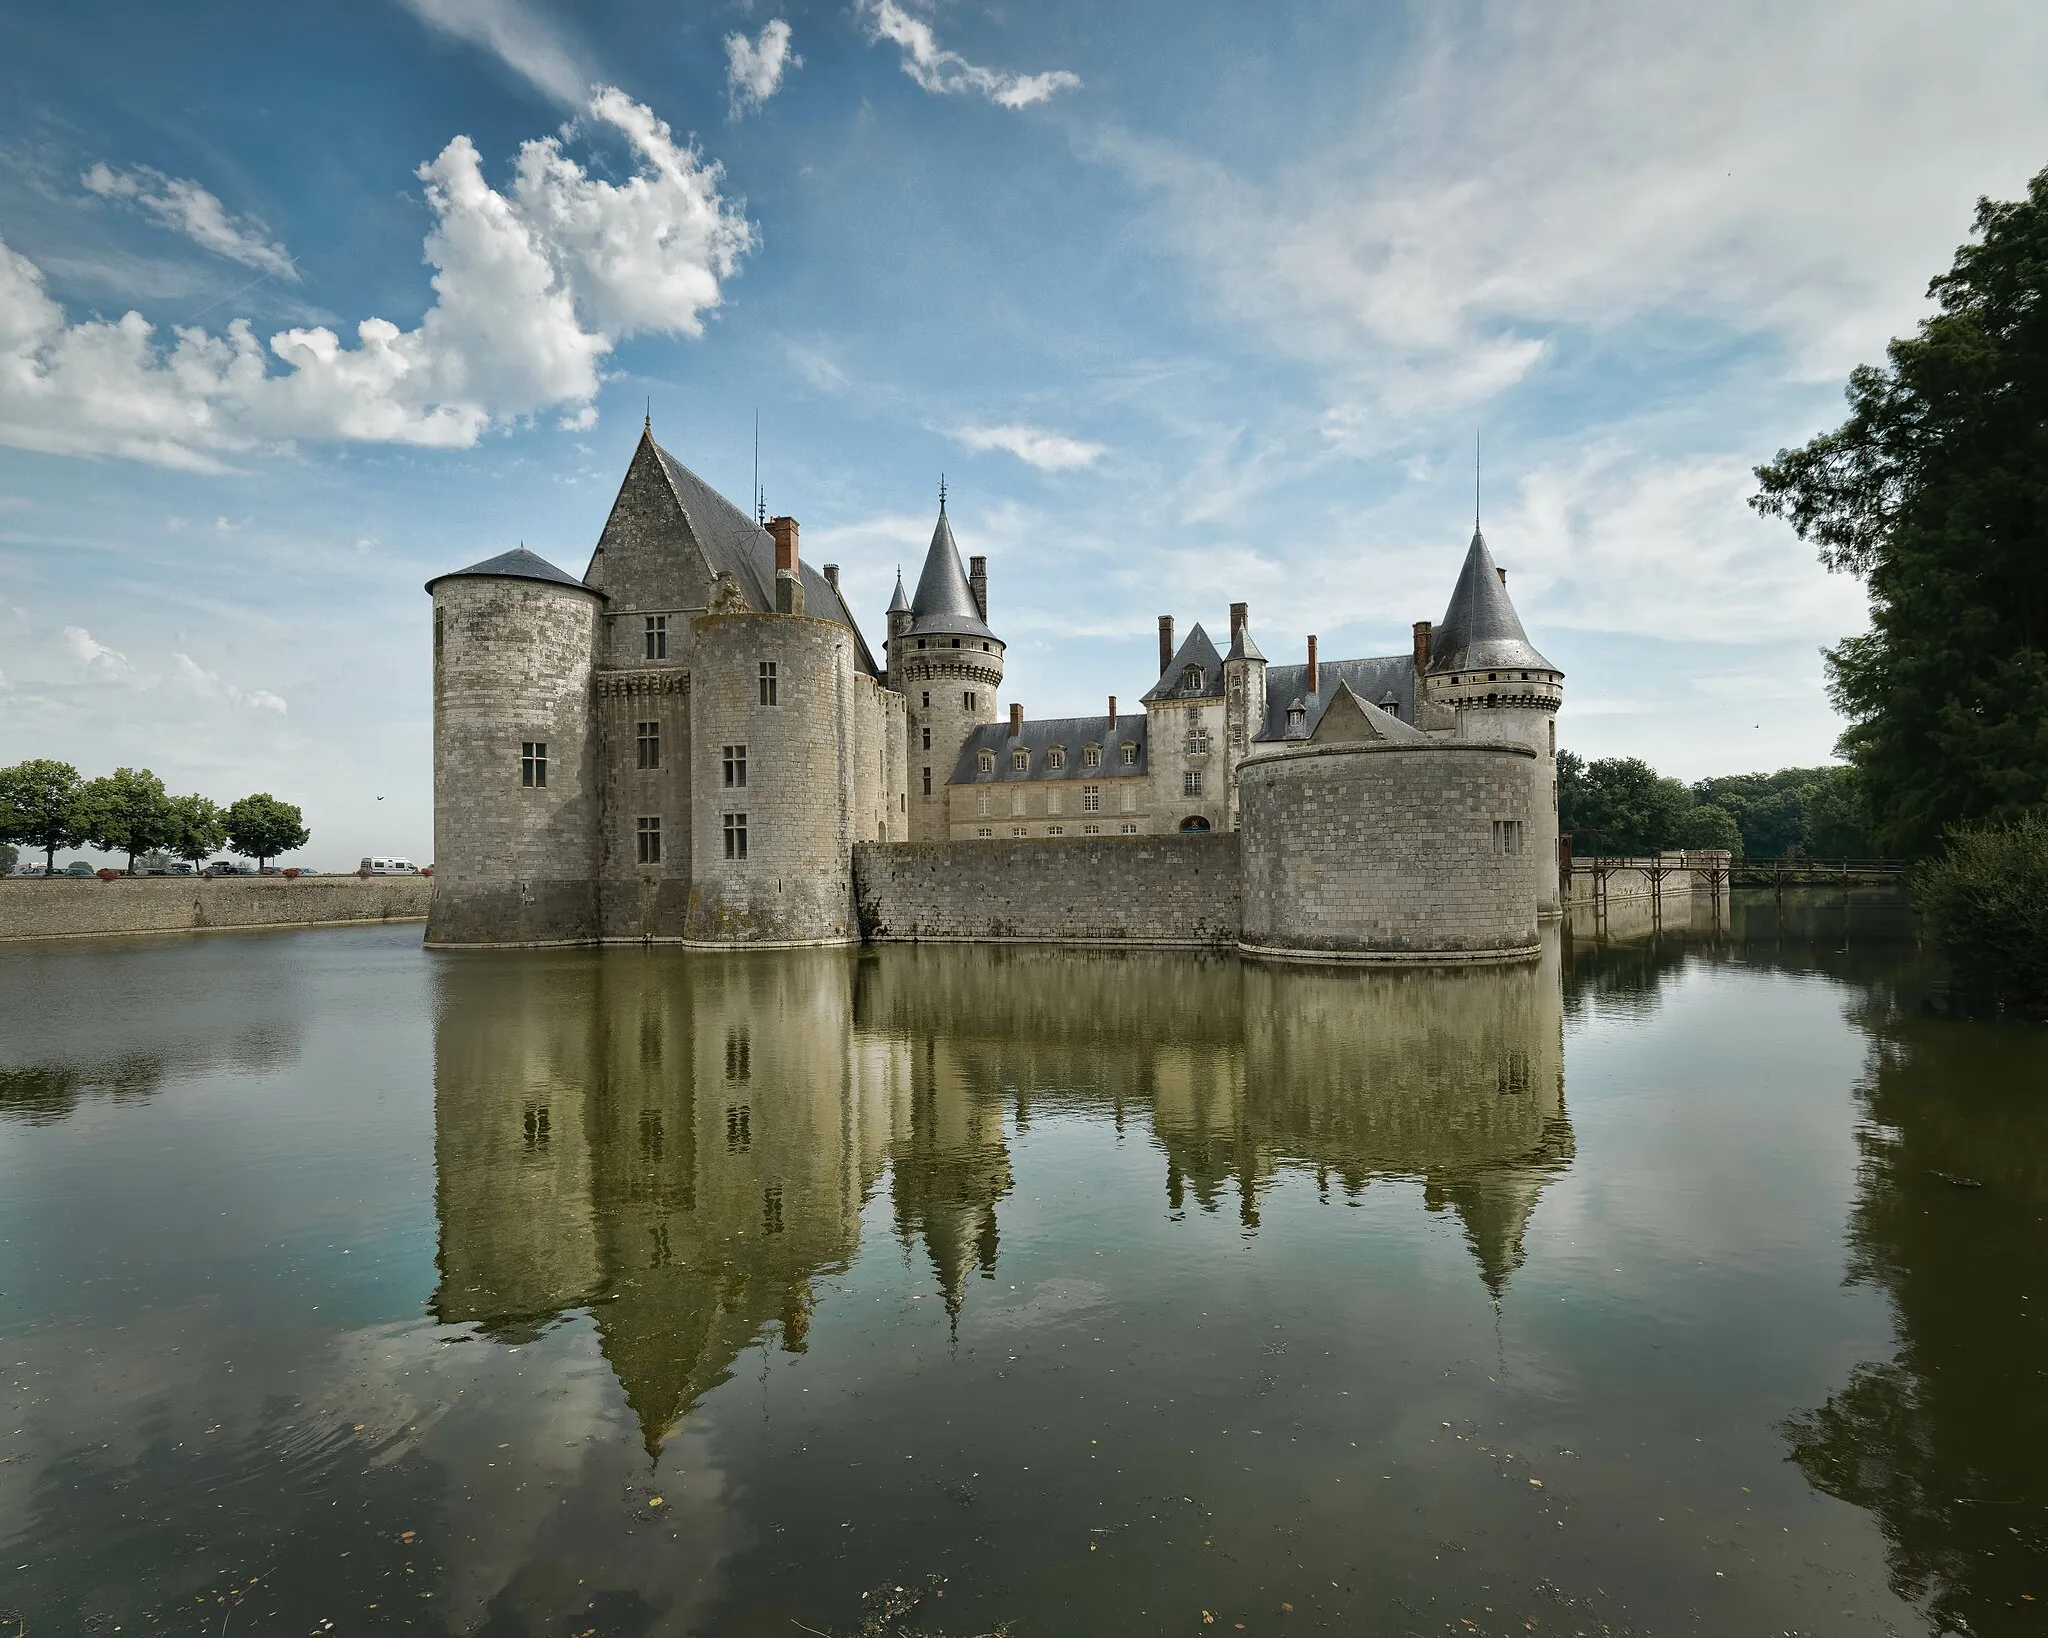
[
  {"x": 515, "y": 789},
  {"x": 948, "y": 665},
  {"x": 1482, "y": 669}
]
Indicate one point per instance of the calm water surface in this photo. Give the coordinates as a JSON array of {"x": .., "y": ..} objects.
[{"x": 1677, "y": 1285}]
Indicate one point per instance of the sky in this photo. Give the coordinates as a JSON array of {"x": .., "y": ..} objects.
[{"x": 1190, "y": 302}]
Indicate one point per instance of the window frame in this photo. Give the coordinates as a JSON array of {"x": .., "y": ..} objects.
[
  {"x": 733, "y": 760},
  {"x": 533, "y": 764},
  {"x": 647, "y": 839},
  {"x": 656, "y": 635},
  {"x": 769, "y": 680},
  {"x": 647, "y": 743},
  {"x": 735, "y": 824}
]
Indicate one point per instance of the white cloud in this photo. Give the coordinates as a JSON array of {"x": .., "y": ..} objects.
[
  {"x": 211, "y": 685},
  {"x": 185, "y": 207},
  {"x": 947, "y": 72},
  {"x": 1794, "y": 173},
  {"x": 754, "y": 68},
  {"x": 530, "y": 45},
  {"x": 1048, "y": 451},
  {"x": 95, "y": 656},
  {"x": 533, "y": 287}
]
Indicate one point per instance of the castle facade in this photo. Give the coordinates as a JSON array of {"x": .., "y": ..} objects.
[{"x": 693, "y": 743}]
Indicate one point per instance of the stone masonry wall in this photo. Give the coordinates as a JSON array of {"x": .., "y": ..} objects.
[
  {"x": 157, "y": 904},
  {"x": 1386, "y": 852},
  {"x": 1167, "y": 890}
]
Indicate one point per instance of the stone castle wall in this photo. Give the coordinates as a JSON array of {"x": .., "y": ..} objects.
[
  {"x": 512, "y": 663},
  {"x": 1386, "y": 852},
  {"x": 86, "y": 908},
  {"x": 1162, "y": 890}
]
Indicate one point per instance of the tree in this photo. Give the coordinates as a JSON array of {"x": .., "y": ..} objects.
[
  {"x": 260, "y": 827},
  {"x": 1620, "y": 806},
  {"x": 1838, "y": 816},
  {"x": 127, "y": 811},
  {"x": 1706, "y": 827},
  {"x": 1935, "y": 493},
  {"x": 8, "y": 854},
  {"x": 198, "y": 828},
  {"x": 39, "y": 806}
]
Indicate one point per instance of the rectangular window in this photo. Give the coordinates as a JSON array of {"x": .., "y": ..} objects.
[
  {"x": 1020, "y": 760},
  {"x": 1091, "y": 756},
  {"x": 1127, "y": 830},
  {"x": 927, "y": 739},
  {"x": 1091, "y": 798},
  {"x": 1127, "y": 799},
  {"x": 1017, "y": 805},
  {"x": 769, "y": 683},
  {"x": 1016, "y": 830},
  {"x": 437, "y": 650},
  {"x": 1052, "y": 801},
  {"x": 1055, "y": 830},
  {"x": 1507, "y": 836},
  {"x": 1091, "y": 830},
  {"x": 926, "y": 696},
  {"x": 735, "y": 835},
  {"x": 1056, "y": 756},
  {"x": 984, "y": 832},
  {"x": 982, "y": 804},
  {"x": 647, "y": 737},
  {"x": 533, "y": 763},
  {"x": 1191, "y": 782},
  {"x": 648, "y": 835},
  {"x": 657, "y": 637},
  {"x": 735, "y": 767},
  {"x": 1130, "y": 750},
  {"x": 967, "y": 699},
  {"x": 927, "y": 781},
  {"x": 1198, "y": 742}
]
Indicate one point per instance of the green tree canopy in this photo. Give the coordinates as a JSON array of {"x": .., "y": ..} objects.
[
  {"x": 127, "y": 811},
  {"x": 198, "y": 828},
  {"x": 1706, "y": 827},
  {"x": 39, "y": 806},
  {"x": 1935, "y": 493},
  {"x": 1618, "y": 806},
  {"x": 260, "y": 827}
]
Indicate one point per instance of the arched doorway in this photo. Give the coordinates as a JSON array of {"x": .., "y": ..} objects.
[{"x": 1193, "y": 825}]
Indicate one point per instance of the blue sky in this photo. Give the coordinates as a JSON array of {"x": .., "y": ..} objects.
[{"x": 1190, "y": 302}]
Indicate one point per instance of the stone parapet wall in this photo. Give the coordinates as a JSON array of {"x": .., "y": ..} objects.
[
  {"x": 65, "y": 908},
  {"x": 1153, "y": 890}
]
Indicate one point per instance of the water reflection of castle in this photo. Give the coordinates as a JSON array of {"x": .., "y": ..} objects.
[{"x": 683, "y": 1147}]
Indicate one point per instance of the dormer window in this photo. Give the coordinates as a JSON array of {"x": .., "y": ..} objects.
[
  {"x": 1020, "y": 760},
  {"x": 1191, "y": 680},
  {"x": 987, "y": 761},
  {"x": 1130, "y": 750},
  {"x": 1091, "y": 756},
  {"x": 1297, "y": 721},
  {"x": 1056, "y": 756}
]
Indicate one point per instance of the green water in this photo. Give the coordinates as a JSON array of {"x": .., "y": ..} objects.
[{"x": 1687, "y": 1283}]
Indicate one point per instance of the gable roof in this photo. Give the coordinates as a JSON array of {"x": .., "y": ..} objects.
[
  {"x": 1480, "y": 629},
  {"x": 1371, "y": 680},
  {"x": 944, "y": 603},
  {"x": 1349, "y": 720},
  {"x": 1038, "y": 737},
  {"x": 517, "y": 564},
  {"x": 1195, "y": 650},
  {"x": 734, "y": 544}
]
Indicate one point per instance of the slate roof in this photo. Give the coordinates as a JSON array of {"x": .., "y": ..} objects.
[
  {"x": 1480, "y": 630},
  {"x": 1242, "y": 647},
  {"x": 944, "y": 604},
  {"x": 1371, "y": 680},
  {"x": 1038, "y": 737},
  {"x": 899, "y": 604},
  {"x": 1195, "y": 649},
  {"x": 735, "y": 544},
  {"x": 517, "y": 564}
]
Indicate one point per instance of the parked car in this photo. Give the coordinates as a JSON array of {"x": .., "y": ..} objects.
[
  {"x": 228, "y": 867},
  {"x": 78, "y": 867},
  {"x": 381, "y": 866}
]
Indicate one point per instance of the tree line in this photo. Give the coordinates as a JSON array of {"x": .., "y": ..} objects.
[
  {"x": 1621, "y": 807},
  {"x": 45, "y": 804}
]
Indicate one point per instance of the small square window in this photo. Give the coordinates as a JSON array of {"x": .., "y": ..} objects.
[
  {"x": 1091, "y": 830},
  {"x": 1127, "y": 830},
  {"x": 770, "y": 683},
  {"x": 984, "y": 832},
  {"x": 657, "y": 636},
  {"x": 735, "y": 835},
  {"x": 648, "y": 836},
  {"x": 735, "y": 760},
  {"x": 1017, "y": 830},
  {"x": 1055, "y": 830},
  {"x": 647, "y": 740},
  {"x": 533, "y": 763},
  {"x": 1507, "y": 836}
]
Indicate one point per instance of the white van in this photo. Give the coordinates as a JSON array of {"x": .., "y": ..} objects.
[{"x": 387, "y": 867}]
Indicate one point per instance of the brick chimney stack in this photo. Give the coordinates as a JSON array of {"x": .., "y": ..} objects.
[
  {"x": 789, "y": 588},
  {"x": 1309, "y": 683},
  {"x": 1422, "y": 636},
  {"x": 977, "y": 582},
  {"x": 1238, "y": 616},
  {"x": 1165, "y": 642},
  {"x": 1016, "y": 720},
  {"x": 832, "y": 576},
  {"x": 1112, "y": 710}
]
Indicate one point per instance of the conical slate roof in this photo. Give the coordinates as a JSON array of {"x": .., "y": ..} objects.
[
  {"x": 1242, "y": 647},
  {"x": 899, "y": 604},
  {"x": 944, "y": 604},
  {"x": 517, "y": 564},
  {"x": 1480, "y": 630}
]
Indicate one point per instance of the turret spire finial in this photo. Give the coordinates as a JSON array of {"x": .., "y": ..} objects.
[
  {"x": 647, "y": 420},
  {"x": 1475, "y": 482},
  {"x": 942, "y": 492}
]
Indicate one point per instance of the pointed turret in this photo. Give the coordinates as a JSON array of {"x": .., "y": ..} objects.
[
  {"x": 947, "y": 664},
  {"x": 1480, "y": 630},
  {"x": 944, "y": 605},
  {"x": 899, "y": 604}
]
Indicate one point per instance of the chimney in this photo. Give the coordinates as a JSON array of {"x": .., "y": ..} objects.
[
  {"x": 1309, "y": 684},
  {"x": 1502, "y": 573},
  {"x": 1165, "y": 642},
  {"x": 1112, "y": 710},
  {"x": 1237, "y": 621},
  {"x": 1016, "y": 719},
  {"x": 789, "y": 589},
  {"x": 977, "y": 582},
  {"x": 832, "y": 576},
  {"x": 1422, "y": 634}
]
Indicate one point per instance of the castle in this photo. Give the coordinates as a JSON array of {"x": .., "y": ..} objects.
[{"x": 693, "y": 743}]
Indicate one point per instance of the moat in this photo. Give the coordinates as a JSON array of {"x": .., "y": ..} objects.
[{"x": 1687, "y": 1283}]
